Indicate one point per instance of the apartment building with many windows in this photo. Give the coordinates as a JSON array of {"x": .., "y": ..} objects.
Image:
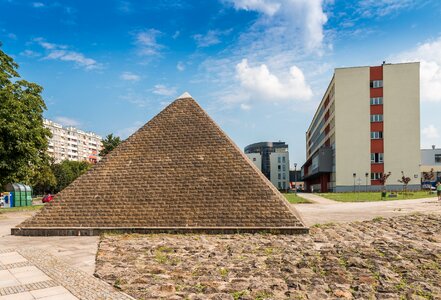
[
  {"x": 272, "y": 159},
  {"x": 367, "y": 124},
  {"x": 70, "y": 143}
]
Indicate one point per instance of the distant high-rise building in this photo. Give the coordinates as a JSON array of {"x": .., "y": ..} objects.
[
  {"x": 272, "y": 158},
  {"x": 367, "y": 124},
  {"x": 70, "y": 143}
]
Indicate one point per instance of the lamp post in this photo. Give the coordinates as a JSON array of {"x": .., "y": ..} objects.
[
  {"x": 367, "y": 175},
  {"x": 354, "y": 175},
  {"x": 295, "y": 178}
]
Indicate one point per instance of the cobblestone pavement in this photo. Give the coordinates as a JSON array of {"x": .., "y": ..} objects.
[
  {"x": 385, "y": 258},
  {"x": 29, "y": 274}
]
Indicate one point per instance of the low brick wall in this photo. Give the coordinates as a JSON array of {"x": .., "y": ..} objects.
[{"x": 89, "y": 231}]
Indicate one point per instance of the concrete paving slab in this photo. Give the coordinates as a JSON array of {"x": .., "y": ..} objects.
[
  {"x": 19, "y": 296},
  {"x": 48, "y": 292},
  {"x": 59, "y": 297},
  {"x": 11, "y": 258},
  {"x": 77, "y": 251}
]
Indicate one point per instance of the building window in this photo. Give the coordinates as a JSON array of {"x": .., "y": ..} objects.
[
  {"x": 438, "y": 158},
  {"x": 376, "y": 84},
  {"x": 376, "y": 176},
  {"x": 376, "y": 158},
  {"x": 278, "y": 159},
  {"x": 278, "y": 167},
  {"x": 284, "y": 185},
  {"x": 376, "y": 118},
  {"x": 283, "y": 168},
  {"x": 280, "y": 185},
  {"x": 375, "y": 135},
  {"x": 283, "y": 158},
  {"x": 376, "y": 100},
  {"x": 284, "y": 176},
  {"x": 279, "y": 176}
]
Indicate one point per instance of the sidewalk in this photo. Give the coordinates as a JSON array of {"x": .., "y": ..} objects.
[
  {"x": 314, "y": 198},
  {"x": 327, "y": 211},
  {"x": 49, "y": 268},
  {"x": 25, "y": 274}
]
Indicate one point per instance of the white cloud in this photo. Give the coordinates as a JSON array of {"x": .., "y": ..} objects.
[
  {"x": 259, "y": 83},
  {"x": 38, "y": 4},
  {"x": 381, "y": 8},
  {"x": 429, "y": 55},
  {"x": 163, "y": 90},
  {"x": 245, "y": 106},
  {"x": 307, "y": 16},
  {"x": 430, "y": 132},
  {"x": 146, "y": 40},
  {"x": 140, "y": 100},
  {"x": 65, "y": 121},
  {"x": 212, "y": 37},
  {"x": 61, "y": 52},
  {"x": 30, "y": 53},
  {"x": 180, "y": 66},
  {"x": 128, "y": 131},
  {"x": 129, "y": 76},
  {"x": 124, "y": 6},
  {"x": 264, "y": 6},
  {"x": 429, "y": 136}
]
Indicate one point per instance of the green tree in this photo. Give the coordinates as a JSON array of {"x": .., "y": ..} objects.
[
  {"x": 109, "y": 143},
  {"x": 44, "y": 180},
  {"x": 67, "y": 171},
  {"x": 23, "y": 138}
]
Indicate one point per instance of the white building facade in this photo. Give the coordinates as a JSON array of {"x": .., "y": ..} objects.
[
  {"x": 272, "y": 159},
  {"x": 70, "y": 143}
]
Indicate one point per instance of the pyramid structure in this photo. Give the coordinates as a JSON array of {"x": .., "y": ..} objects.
[{"x": 178, "y": 173}]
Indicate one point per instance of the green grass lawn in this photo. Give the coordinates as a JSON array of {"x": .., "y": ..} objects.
[
  {"x": 374, "y": 196},
  {"x": 293, "y": 198},
  {"x": 20, "y": 208}
]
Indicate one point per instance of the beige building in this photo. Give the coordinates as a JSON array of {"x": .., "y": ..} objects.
[
  {"x": 69, "y": 143},
  {"x": 367, "y": 124}
]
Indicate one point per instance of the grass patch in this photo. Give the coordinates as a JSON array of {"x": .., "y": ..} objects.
[
  {"x": 293, "y": 198},
  {"x": 375, "y": 196},
  {"x": 20, "y": 208}
]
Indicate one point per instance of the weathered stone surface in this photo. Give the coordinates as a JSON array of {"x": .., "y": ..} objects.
[
  {"x": 397, "y": 258},
  {"x": 179, "y": 170}
]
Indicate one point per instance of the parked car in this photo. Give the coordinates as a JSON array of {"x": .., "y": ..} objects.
[{"x": 47, "y": 198}]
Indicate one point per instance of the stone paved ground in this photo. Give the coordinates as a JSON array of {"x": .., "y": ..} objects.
[
  {"x": 396, "y": 258},
  {"x": 26, "y": 274},
  {"x": 79, "y": 252},
  {"x": 48, "y": 267}
]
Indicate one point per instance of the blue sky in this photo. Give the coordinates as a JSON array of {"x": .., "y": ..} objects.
[{"x": 259, "y": 67}]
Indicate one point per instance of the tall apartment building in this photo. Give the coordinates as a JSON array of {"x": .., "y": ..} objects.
[
  {"x": 69, "y": 143},
  {"x": 367, "y": 124},
  {"x": 272, "y": 158}
]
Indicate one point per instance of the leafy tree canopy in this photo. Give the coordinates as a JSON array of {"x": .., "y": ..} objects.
[
  {"x": 67, "y": 171},
  {"x": 109, "y": 143},
  {"x": 23, "y": 138}
]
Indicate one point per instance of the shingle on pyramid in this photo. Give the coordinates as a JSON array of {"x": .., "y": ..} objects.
[{"x": 178, "y": 173}]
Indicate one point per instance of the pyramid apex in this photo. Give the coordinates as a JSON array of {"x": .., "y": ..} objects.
[{"x": 185, "y": 95}]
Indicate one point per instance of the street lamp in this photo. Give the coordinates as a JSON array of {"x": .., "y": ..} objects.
[
  {"x": 354, "y": 175},
  {"x": 295, "y": 178},
  {"x": 367, "y": 175}
]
